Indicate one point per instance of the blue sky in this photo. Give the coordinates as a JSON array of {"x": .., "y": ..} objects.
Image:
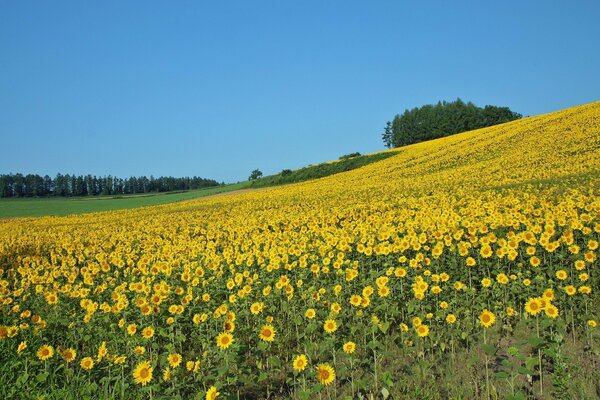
[{"x": 217, "y": 89}]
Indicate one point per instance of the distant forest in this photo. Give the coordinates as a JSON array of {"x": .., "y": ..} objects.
[
  {"x": 19, "y": 185},
  {"x": 442, "y": 119}
]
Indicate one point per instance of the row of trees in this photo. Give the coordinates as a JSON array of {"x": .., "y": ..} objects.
[
  {"x": 19, "y": 185},
  {"x": 442, "y": 119}
]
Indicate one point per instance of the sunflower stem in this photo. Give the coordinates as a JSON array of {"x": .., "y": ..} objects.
[{"x": 487, "y": 372}]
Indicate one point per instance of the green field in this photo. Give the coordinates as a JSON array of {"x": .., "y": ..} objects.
[{"x": 35, "y": 207}]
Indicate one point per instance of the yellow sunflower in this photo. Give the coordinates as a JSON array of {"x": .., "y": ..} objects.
[
  {"x": 300, "y": 362},
  {"x": 211, "y": 393},
  {"x": 174, "y": 359},
  {"x": 487, "y": 318},
  {"x": 325, "y": 374},
  {"x": 224, "y": 340},
  {"x": 45, "y": 352},
  {"x": 22, "y": 346},
  {"x": 87, "y": 363},
  {"x": 330, "y": 326},
  {"x": 551, "y": 311},
  {"x": 533, "y": 306},
  {"x": 148, "y": 332},
  {"x": 142, "y": 374},
  {"x": 422, "y": 330},
  {"x": 349, "y": 347},
  {"x": 267, "y": 333},
  {"x": 69, "y": 354}
]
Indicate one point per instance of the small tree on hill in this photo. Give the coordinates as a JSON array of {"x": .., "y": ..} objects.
[{"x": 255, "y": 175}]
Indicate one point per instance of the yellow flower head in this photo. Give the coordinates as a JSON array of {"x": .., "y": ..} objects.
[
  {"x": 300, "y": 362},
  {"x": 487, "y": 318},
  {"x": 142, "y": 373},
  {"x": 325, "y": 374},
  {"x": 349, "y": 347},
  {"x": 224, "y": 340}
]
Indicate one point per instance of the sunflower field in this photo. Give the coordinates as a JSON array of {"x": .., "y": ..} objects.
[{"x": 465, "y": 267}]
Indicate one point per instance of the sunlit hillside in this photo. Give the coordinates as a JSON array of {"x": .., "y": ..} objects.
[{"x": 455, "y": 249}]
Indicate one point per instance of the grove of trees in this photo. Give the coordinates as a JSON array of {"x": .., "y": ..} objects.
[
  {"x": 19, "y": 185},
  {"x": 442, "y": 119}
]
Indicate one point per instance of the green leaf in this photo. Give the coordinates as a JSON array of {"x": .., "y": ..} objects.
[
  {"x": 384, "y": 326},
  {"x": 42, "y": 376},
  {"x": 275, "y": 361},
  {"x": 535, "y": 341},
  {"x": 524, "y": 371},
  {"x": 305, "y": 395},
  {"x": 489, "y": 349},
  {"x": 531, "y": 362},
  {"x": 502, "y": 375}
]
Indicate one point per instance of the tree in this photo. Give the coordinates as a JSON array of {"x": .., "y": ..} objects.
[
  {"x": 442, "y": 119},
  {"x": 387, "y": 135},
  {"x": 255, "y": 175}
]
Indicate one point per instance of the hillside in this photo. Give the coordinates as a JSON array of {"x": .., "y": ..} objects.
[{"x": 469, "y": 261}]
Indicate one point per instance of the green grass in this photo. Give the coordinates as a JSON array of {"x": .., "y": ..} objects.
[
  {"x": 321, "y": 170},
  {"x": 35, "y": 207}
]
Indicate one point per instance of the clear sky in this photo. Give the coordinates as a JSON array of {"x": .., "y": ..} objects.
[{"x": 219, "y": 88}]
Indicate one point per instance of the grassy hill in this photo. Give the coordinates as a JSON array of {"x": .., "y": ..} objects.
[
  {"x": 35, "y": 207},
  {"x": 464, "y": 267}
]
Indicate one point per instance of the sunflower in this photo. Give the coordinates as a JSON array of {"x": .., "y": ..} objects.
[
  {"x": 224, "y": 340},
  {"x": 561, "y": 274},
  {"x": 570, "y": 290},
  {"x": 330, "y": 326},
  {"x": 349, "y": 347},
  {"x": 45, "y": 352},
  {"x": 142, "y": 374},
  {"x": 166, "y": 374},
  {"x": 22, "y": 346},
  {"x": 325, "y": 374},
  {"x": 533, "y": 306},
  {"x": 102, "y": 352},
  {"x": 422, "y": 330},
  {"x": 211, "y": 393},
  {"x": 534, "y": 261},
  {"x": 87, "y": 363},
  {"x": 256, "y": 308},
  {"x": 131, "y": 329},
  {"x": 487, "y": 318},
  {"x": 383, "y": 291},
  {"x": 300, "y": 362},
  {"x": 355, "y": 300},
  {"x": 229, "y": 326},
  {"x": 450, "y": 318},
  {"x": 310, "y": 313},
  {"x": 551, "y": 311},
  {"x": 69, "y": 354},
  {"x": 174, "y": 359},
  {"x": 267, "y": 333},
  {"x": 148, "y": 332}
]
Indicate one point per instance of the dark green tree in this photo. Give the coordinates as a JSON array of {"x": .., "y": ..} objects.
[
  {"x": 387, "y": 135},
  {"x": 255, "y": 175},
  {"x": 442, "y": 119}
]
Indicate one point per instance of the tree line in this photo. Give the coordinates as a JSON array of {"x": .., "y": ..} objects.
[
  {"x": 19, "y": 185},
  {"x": 442, "y": 119}
]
